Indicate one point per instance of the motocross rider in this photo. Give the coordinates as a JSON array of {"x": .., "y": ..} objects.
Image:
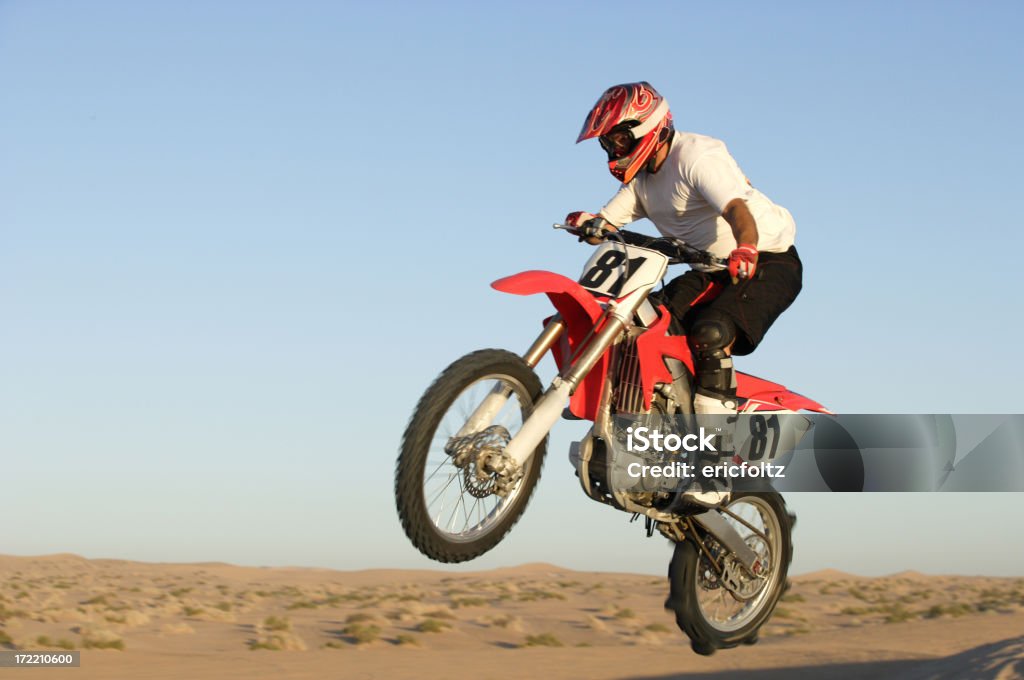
[{"x": 691, "y": 188}]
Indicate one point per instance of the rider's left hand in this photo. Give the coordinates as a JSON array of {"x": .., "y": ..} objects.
[{"x": 743, "y": 262}]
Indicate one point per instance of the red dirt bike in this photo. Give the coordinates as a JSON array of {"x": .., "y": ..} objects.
[{"x": 472, "y": 452}]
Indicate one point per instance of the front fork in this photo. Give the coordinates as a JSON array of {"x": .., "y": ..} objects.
[
  {"x": 493, "y": 402},
  {"x": 550, "y": 406}
]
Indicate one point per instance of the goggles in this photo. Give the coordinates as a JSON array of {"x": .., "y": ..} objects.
[
  {"x": 622, "y": 139},
  {"x": 620, "y": 142}
]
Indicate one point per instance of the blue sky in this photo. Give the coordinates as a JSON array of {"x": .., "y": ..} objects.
[{"x": 238, "y": 240}]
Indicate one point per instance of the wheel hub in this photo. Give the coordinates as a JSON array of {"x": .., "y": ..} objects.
[{"x": 486, "y": 468}]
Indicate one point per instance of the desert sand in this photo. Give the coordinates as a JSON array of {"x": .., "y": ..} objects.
[{"x": 142, "y": 620}]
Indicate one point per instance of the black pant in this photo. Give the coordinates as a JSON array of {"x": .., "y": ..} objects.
[{"x": 753, "y": 304}]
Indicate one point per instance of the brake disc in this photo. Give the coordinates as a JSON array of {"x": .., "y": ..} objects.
[{"x": 487, "y": 469}]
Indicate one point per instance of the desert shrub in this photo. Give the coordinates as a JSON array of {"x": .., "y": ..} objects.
[
  {"x": 793, "y": 597},
  {"x": 287, "y": 591},
  {"x": 542, "y": 640},
  {"x": 625, "y": 614},
  {"x": 440, "y": 614},
  {"x": 469, "y": 602},
  {"x": 103, "y": 643},
  {"x": 362, "y": 634},
  {"x": 192, "y": 611},
  {"x": 64, "y": 643},
  {"x": 503, "y": 621},
  {"x": 992, "y": 594},
  {"x": 278, "y": 641},
  {"x": 533, "y": 595},
  {"x": 270, "y": 645},
  {"x": 301, "y": 604},
  {"x": 898, "y": 614},
  {"x": 432, "y": 626},
  {"x": 858, "y": 593},
  {"x": 359, "y": 617},
  {"x": 855, "y": 611},
  {"x": 11, "y": 613},
  {"x": 44, "y": 641},
  {"x": 276, "y": 623},
  {"x": 406, "y": 639},
  {"x": 958, "y": 609},
  {"x": 990, "y": 605},
  {"x": 657, "y": 628}
]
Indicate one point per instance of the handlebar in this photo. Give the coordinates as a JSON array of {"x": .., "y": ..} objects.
[{"x": 675, "y": 249}]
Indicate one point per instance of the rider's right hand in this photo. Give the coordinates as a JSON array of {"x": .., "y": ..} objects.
[
  {"x": 578, "y": 218},
  {"x": 589, "y": 227}
]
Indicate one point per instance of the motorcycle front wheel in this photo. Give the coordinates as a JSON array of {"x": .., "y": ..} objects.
[
  {"x": 712, "y": 615},
  {"x": 450, "y": 514}
]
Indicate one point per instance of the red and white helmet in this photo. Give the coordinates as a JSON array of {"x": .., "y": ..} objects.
[{"x": 628, "y": 120}]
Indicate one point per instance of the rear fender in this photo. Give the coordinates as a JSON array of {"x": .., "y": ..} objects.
[
  {"x": 764, "y": 395},
  {"x": 655, "y": 345}
]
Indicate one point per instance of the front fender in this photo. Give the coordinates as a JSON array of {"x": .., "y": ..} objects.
[
  {"x": 581, "y": 313},
  {"x": 552, "y": 284}
]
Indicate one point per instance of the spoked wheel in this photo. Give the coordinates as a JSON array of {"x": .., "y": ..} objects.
[
  {"x": 451, "y": 507},
  {"x": 715, "y": 615}
]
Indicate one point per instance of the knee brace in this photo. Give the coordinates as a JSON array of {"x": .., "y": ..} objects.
[{"x": 708, "y": 338}]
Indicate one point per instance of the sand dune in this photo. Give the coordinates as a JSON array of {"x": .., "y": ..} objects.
[{"x": 216, "y": 620}]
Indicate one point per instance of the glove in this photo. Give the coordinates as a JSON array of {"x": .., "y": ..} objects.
[
  {"x": 743, "y": 262},
  {"x": 576, "y": 219},
  {"x": 588, "y": 226}
]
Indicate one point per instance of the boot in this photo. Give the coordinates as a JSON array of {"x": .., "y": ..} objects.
[{"x": 714, "y": 412}]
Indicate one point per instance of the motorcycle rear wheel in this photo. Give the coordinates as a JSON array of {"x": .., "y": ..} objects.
[
  {"x": 451, "y": 523},
  {"x": 705, "y": 610}
]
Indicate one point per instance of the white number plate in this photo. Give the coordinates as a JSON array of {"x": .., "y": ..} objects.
[{"x": 614, "y": 273}]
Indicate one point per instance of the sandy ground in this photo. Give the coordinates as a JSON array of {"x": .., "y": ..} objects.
[{"x": 140, "y": 620}]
